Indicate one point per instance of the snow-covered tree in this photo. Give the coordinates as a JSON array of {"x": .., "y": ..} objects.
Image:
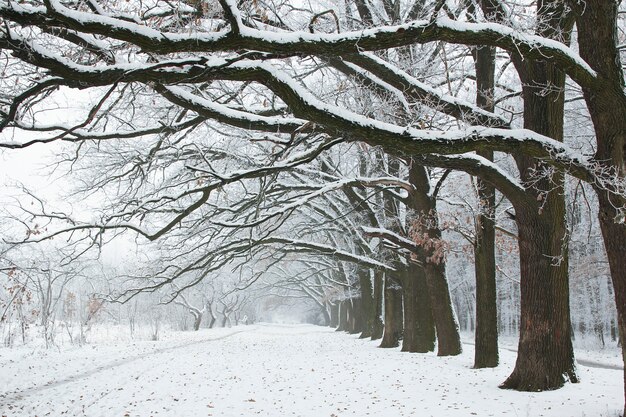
[{"x": 195, "y": 115}]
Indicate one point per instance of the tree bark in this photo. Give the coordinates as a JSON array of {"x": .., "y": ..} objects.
[
  {"x": 598, "y": 39},
  {"x": 377, "y": 320},
  {"x": 349, "y": 316},
  {"x": 448, "y": 338},
  {"x": 545, "y": 357},
  {"x": 424, "y": 205},
  {"x": 419, "y": 328},
  {"x": 366, "y": 303},
  {"x": 486, "y": 333},
  {"x": 334, "y": 315},
  {"x": 343, "y": 316},
  {"x": 357, "y": 322},
  {"x": 393, "y": 330},
  {"x": 393, "y": 312},
  {"x": 614, "y": 236}
]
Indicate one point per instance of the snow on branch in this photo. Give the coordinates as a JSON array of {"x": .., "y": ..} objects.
[
  {"x": 322, "y": 190},
  {"x": 478, "y": 166},
  {"x": 231, "y": 12},
  {"x": 298, "y": 43},
  {"x": 392, "y": 237},
  {"x": 329, "y": 118},
  {"x": 233, "y": 117},
  {"x": 421, "y": 92},
  {"x": 332, "y": 119},
  {"x": 288, "y": 244}
]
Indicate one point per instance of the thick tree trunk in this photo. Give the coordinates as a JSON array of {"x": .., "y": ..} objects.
[
  {"x": 377, "y": 320},
  {"x": 393, "y": 312},
  {"x": 545, "y": 355},
  {"x": 343, "y": 316},
  {"x": 598, "y": 40},
  {"x": 614, "y": 235},
  {"x": 357, "y": 322},
  {"x": 393, "y": 281},
  {"x": 486, "y": 333},
  {"x": 409, "y": 304},
  {"x": 350, "y": 315},
  {"x": 615, "y": 243},
  {"x": 448, "y": 338},
  {"x": 419, "y": 328},
  {"x": 428, "y": 234},
  {"x": 545, "y": 358}
]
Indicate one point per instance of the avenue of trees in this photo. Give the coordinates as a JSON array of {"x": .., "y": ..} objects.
[{"x": 338, "y": 152}]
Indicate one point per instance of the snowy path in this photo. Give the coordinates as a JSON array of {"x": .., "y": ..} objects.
[{"x": 272, "y": 370}]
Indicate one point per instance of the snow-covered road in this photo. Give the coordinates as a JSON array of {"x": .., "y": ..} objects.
[{"x": 273, "y": 370}]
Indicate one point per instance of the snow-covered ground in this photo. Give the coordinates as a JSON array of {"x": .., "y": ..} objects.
[{"x": 278, "y": 370}]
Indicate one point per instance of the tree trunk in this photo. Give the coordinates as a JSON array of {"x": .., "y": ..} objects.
[
  {"x": 334, "y": 315},
  {"x": 393, "y": 312},
  {"x": 409, "y": 304},
  {"x": 197, "y": 319},
  {"x": 356, "y": 316},
  {"x": 377, "y": 311},
  {"x": 545, "y": 358},
  {"x": 426, "y": 232},
  {"x": 448, "y": 338},
  {"x": 343, "y": 316},
  {"x": 486, "y": 333},
  {"x": 366, "y": 303},
  {"x": 325, "y": 315},
  {"x": 598, "y": 40},
  {"x": 350, "y": 315},
  {"x": 419, "y": 328},
  {"x": 614, "y": 235},
  {"x": 393, "y": 281}
]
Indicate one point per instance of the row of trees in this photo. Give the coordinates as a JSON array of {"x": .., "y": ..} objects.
[
  {"x": 42, "y": 299},
  {"x": 250, "y": 133}
]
